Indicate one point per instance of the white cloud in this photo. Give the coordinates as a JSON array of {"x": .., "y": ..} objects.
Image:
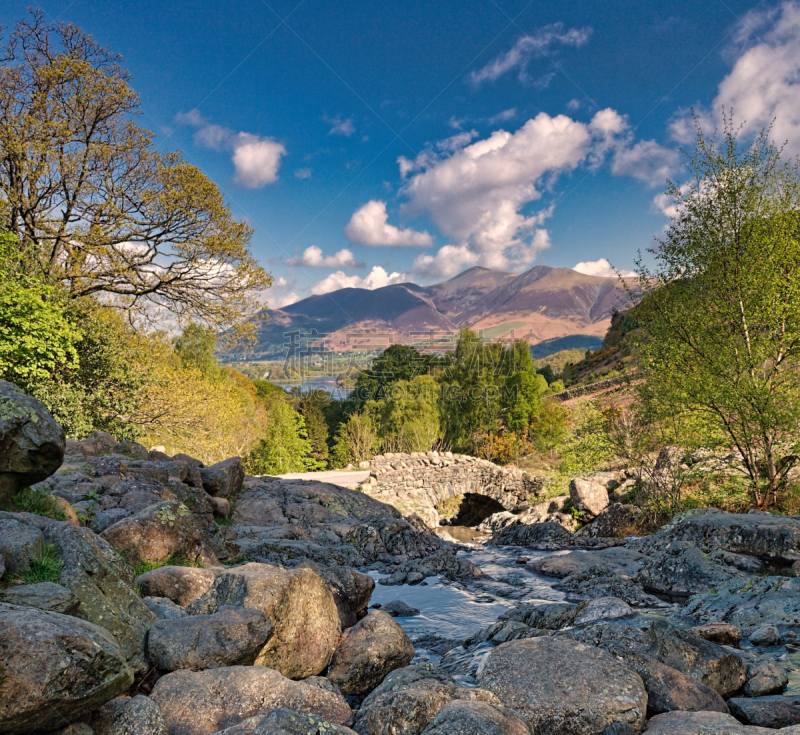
[
  {"x": 369, "y": 226},
  {"x": 539, "y": 44},
  {"x": 456, "y": 122},
  {"x": 601, "y": 268},
  {"x": 256, "y": 158},
  {"x": 341, "y": 126},
  {"x": 377, "y": 278},
  {"x": 280, "y": 294},
  {"x": 312, "y": 257},
  {"x": 764, "y": 83},
  {"x": 303, "y": 173},
  {"x": 503, "y": 116},
  {"x": 646, "y": 160}
]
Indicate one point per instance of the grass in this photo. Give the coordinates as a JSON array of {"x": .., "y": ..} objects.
[
  {"x": 226, "y": 521},
  {"x": 40, "y": 502},
  {"x": 176, "y": 560},
  {"x": 47, "y": 568}
]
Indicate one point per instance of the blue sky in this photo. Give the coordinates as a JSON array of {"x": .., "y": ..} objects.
[{"x": 375, "y": 142}]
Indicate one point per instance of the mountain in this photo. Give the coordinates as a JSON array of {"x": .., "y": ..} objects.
[{"x": 541, "y": 304}]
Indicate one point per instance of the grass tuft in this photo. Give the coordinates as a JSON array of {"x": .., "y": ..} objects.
[
  {"x": 47, "y": 568},
  {"x": 39, "y": 501},
  {"x": 176, "y": 560}
]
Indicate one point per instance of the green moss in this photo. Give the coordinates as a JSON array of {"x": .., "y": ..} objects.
[
  {"x": 47, "y": 568},
  {"x": 39, "y": 501},
  {"x": 450, "y": 507},
  {"x": 176, "y": 560}
]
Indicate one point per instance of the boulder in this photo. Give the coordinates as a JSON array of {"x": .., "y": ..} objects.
[
  {"x": 204, "y": 702},
  {"x": 616, "y": 521},
  {"x": 534, "y": 535},
  {"x": 299, "y": 604},
  {"x": 476, "y": 718},
  {"x": 31, "y": 442},
  {"x": 20, "y": 544},
  {"x": 766, "y": 635},
  {"x": 706, "y": 662},
  {"x": 98, "y": 442},
  {"x": 76, "y": 728},
  {"x": 369, "y": 651},
  {"x": 43, "y": 596},
  {"x": 233, "y": 635},
  {"x": 103, "y": 583},
  {"x": 563, "y": 687},
  {"x": 408, "y": 699},
  {"x": 223, "y": 479},
  {"x": 589, "y": 496},
  {"x": 55, "y": 669},
  {"x": 137, "y": 715},
  {"x": 282, "y": 721},
  {"x": 2, "y": 566},
  {"x": 701, "y": 723},
  {"x": 158, "y": 532},
  {"x": 763, "y": 675},
  {"x": 604, "y": 581},
  {"x": 182, "y": 585},
  {"x": 616, "y": 558},
  {"x": 164, "y": 608},
  {"x": 722, "y": 633},
  {"x": 773, "y": 712},
  {"x": 351, "y": 590},
  {"x": 399, "y": 609},
  {"x": 604, "y": 608}
]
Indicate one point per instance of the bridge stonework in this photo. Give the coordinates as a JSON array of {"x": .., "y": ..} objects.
[{"x": 416, "y": 483}]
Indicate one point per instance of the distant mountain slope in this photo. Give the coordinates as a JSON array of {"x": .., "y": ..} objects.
[{"x": 540, "y": 305}]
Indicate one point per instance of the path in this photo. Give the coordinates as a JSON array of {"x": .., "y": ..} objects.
[{"x": 343, "y": 478}]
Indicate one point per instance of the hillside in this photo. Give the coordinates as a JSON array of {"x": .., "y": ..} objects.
[{"x": 542, "y": 305}]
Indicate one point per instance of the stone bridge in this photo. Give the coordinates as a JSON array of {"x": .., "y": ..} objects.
[{"x": 421, "y": 482}]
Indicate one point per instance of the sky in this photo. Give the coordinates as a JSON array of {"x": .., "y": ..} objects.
[{"x": 374, "y": 143}]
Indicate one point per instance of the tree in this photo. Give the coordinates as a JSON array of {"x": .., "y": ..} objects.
[
  {"x": 356, "y": 440},
  {"x": 311, "y": 408},
  {"x": 397, "y": 362},
  {"x": 408, "y": 416},
  {"x": 285, "y": 446},
  {"x": 94, "y": 205},
  {"x": 720, "y": 315},
  {"x": 196, "y": 347}
]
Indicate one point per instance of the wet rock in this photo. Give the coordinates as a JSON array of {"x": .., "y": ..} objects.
[
  {"x": 772, "y": 712},
  {"x": 616, "y": 521},
  {"x": 231, "y": 636},
  {"x": 31, "y": 442},
  {"x": 399, "y": 609},
  {"x": 619, "y": 728},
  {"x": 604, "y": 608},
  {"x": 282, "y": 721},
  {"x": 617, "y": 558},
  {"x": 766, "y": 635},
  {"x": 299, "y": 604},
  {"x": 351, "y": 590},
  {"x": 476, "y": 718},
  {"x": 700, "y": 723},
  {"x": 203, "y": 702},
  {"x": 369, "y": 651},
  {"x": 743, "y": 562},
  {"x": 603, "y": 581},
  {"x": 103, "y": 582},
  {"x": 20, "y": 544},
  {"x": 158, "y": 532},
  {"x": 589, "y": 496},
  {"x": 164, "y": 608},
  {"x": 706, "y": 662},
  {"x": 563, "y": 687},
  {"x": 408, "y": 699},
  {"x": 763, "y": 675},
  {"x": 223, "y": 479},
  {"x": 55, "y": 669},
  {"x": 533, "y": 535},
  {"x": 182, "y": 585},
  {"x": 137, "y": 715},
  {"x": 543, "y": 615},
  {"x": 43, "y": 596},
  {"x": 722, "y": 633}
]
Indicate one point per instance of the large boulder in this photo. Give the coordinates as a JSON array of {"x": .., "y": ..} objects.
[
  {"x": 103, "y": 583},
  {"x": 182, "y": 585},
  {"x": 43, "y": 596},
  {"x": 616, "y": 521},
  {"x": 704, "y": 723},
  {"x": 764, "y": 675},
  {"x": 204, "y": 702},
  {"x": 20, "y": 544},
  {"x": 299, "y": 604},
  {"x": 723, "y": 633},
  {"x": 234, "y": 635},
  {"x": 546, "y": 535},
  {"x": 223, "y": 479},
  {"x": 351, "y": 590},
  {"x": 54, "y": 669},
  {"x": 158, "y": 532},
  {"x": 476, "y": 718},
  {"x": 282, "y": 721},
  {"x": 31, "y": 442},
  {"x": 563, "y": 687},
  {"x": 616, "y": 558},
  {"x": 137, "y": 715},
  {"x": 368, "y": 652},
  {"x": 164, "y": 608},
  {"x": 773, "y": 712},
  {"x": 589, "y": 496}
]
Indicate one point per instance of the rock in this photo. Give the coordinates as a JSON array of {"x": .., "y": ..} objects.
[
  {"x": 98, "y": 442},
  {"x": 76, "y": 728},
  {"x": 31, "y": 442},
  {"x": 2, "y": 566},
  {"x": 588, "y": 496},
  {"x": 706, "y": 662},
  {"x": 743, "y": 562},
  {"x": 700, "y": 723},
  {"x": 722, "y": 633},
  {"x": 616, "y": 521},
  {"x": 43, "y": 596},
  {"x": 223, "y": 479},
  {"x": 164, "y": 608},
  {"x": 796, "y": 568},
  {"x": 534, "y": 535},
  {"x": 69, "y": 512},
  {"x": 619, "y": 728},
  {"x": 772, "y": 712},
  {"x": 20, "y": 544},
  {"x": 563, "y": 687},
  {"x": 496, "y": 521},
  {"x": 543, "y": 615},
  {"x": 158, "y": 532},
  {"x": 766, "y": 635},
  {"x": 203, "y": 702},
  {"x": 764, "y": 676},
  {"x": 55, "y": 669},
  {"x": 103, "y": 583},
  {"x": 351, "y": 590},
  {"x": 408, "y": 700},
  {"x": 603, "y": 581},
  {"x": 476, "y": 718},
  {"x": 369, "y": 651},
  {"x": 222, "y": 507},
  {"x": 132, "y": 449},
  {"x": 299, "y": 604},
  {"x": 399, "y": 609},
  {"x": 233, "y": 635},
  {"x": 604, "y": 608},
  {"x": 182, "y": 585},
  {"x": 137, "y": 715},
  {"x": 669, "y": 689},
  {"x": 617, "y": 558},
  {"x": 282, "y": 721}
]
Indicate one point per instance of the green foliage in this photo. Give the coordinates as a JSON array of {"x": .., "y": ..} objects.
[
  {"x": 397, "y": 362},
  {"x": 39, "y": 501},
  {"x": 356, "y": 440},
  {"x": 408, "y": 416},
  {"x": 175, "y": 560},
  {"x": 47, "y": 568},
  {"x": 311, "y": 408},
  {"x": 196, "y": 347},
  {"x": 550, "y": 428}
]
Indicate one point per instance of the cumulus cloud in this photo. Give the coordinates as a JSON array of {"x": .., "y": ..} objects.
[
  {"x": 312, "y": 257},
  {"x": 764, "y": 83},
  {"x": 377, "y": 278},
  {"x": 281, "y": 293},
  {"x": 369, "y": 225},
  {"x": 256, "y": 158},
  {"x": 645, "y": 160},
  {"x": 341, "y": 126},
  {"x": 601, "y": 268},
  {"x": 541, "y": 43}
]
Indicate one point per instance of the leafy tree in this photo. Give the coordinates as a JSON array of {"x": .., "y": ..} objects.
[
  {"x": 311, "y": 408},
  {"x": 196, "y": 347},
  {"x": 720, "y": 317},
  {"x": 285, "y": 446},
  {"x": 408, "y": 417},
  {"x": 397, "y": 362},
  {"x": 356, "y": 440},
  {"x": 94, "y": 204}
]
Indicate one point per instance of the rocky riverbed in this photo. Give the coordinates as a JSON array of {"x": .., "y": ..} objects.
[{"x": 188, "y": 600}]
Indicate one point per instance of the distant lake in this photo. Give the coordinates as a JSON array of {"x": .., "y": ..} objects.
[{"x": 326, "y": 383}]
